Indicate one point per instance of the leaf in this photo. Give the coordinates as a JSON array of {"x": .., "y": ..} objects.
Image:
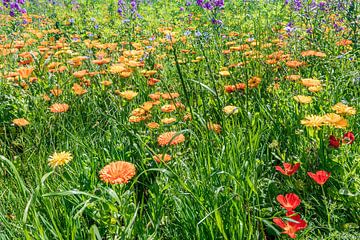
[
  {"x": 346, "y": 192},
  {"x": 251, "y": 185},
  {"x": 219, "y": 223},
  {"x": 69, "y": 193},
  {"x": 16, "y": 174},
  {"x": 94, "y": 231},
  {"x": 270, "y": 225}
]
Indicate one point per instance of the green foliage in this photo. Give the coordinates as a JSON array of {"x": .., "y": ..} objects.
[{"x": 216, "y": 186}]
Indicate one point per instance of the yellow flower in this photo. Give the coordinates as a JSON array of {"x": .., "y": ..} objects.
[
  {"x": 293, "y": 77},
  {"x": 59, "y": 159},
  {"x": 343, "y": 109},
  {"x": 138, "y": 112},
  {"x": 168, "y": 120},
  {"x": 117, "y": 68},
  {"x": 303, "y": 99},
  {"x": 315, "y": 88},
  {"x": 224, "y": 73},
  {"x": 230, "y": 110},
  {"x": 128, "y": 95},
  {"x": 309, "y": 82},
  {"x": 335, "y": 120},
  {"x": 313, "y": 121},
  {"x": 254, "y": 82},
  {"x": 168, "y": 108}
]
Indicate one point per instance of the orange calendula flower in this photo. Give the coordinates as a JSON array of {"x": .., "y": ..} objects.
[
  {"x": 46, "y": 97},
  {"x": 309, "y": 82},
  {"x": 303, "y": 99},
  {"x": 128, "y": 95},
  {"x": 313, "y": 121},
  {"x": 309, "y": 53},
  {"x": 230, "y": 110},
  {"x": 224, "y": 73},
  {"x": 119, "y": 172},
  {"x": 59, "y": 108},
  {"x": 254, "y": 82},
  {"x": 168, "y": 108},
  {"x": 78, "y": 90},
  {"x": 138, "y": 112},
  {"x": 117, "y": 68},
  {"x": 168, "y": 96},
  {"x": 101, "y": 61},
  {"x": 147, "y": 106},
  {"x": 106, "y": 83},
  {"x": 20, "y": 122},
  {"x": 162, "y": 158},
  {"x": 240, "y": 86},
  {"x": 294, "y": 64},
  {"x": 344, "y": 42},
  {"x": 335, "y": 120},
  {"x": 170, "y": 138},
  {"x": 168, "y": 120},
  {"x": 315, "y": 89},
  {"x": 126, "y": 74},
  {"x": 152, "y": 81},
  {"x": 155, "y": 96},
  {"x": 153, "y": 125},
  {"x": 179, "y": 106},
  {"x": 293, "y": 77},
  {"x": 230, "y": 88},
  {"x": 56, "y": 91},
  {"x": 136, "y": 119},
  {"x": 80, "y": 74},
  {"x": 343, "y": 109},
  {"x": 214, "y": 127},
  {"x": 25, "y": 72},
  {"x": 187, "y": 117}
]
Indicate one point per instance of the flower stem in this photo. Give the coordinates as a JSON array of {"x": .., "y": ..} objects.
[{"x": 326, "y": 207}]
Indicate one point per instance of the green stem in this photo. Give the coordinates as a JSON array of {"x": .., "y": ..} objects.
[{"x": 326, "y": 207}]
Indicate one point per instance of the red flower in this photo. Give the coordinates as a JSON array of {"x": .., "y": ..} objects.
[
  {"x": 334, "y": 142},
  {"x": 348, "y": 138},
  {"x": 291, "y": 227},
  {"x": 289, "y": 201},
  {"x": 289, "y": 169},
  {"x": 320, "y": 176}
]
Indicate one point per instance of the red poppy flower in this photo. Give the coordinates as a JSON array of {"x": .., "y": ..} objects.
[
  {"x": 334, "y": 142},
  {"x": 289, "y": 201},
  {"x": 290, "y": 228},
  {"x": 348, "y": 138},
  {"x": 320, "y": 176},
  {"x": 289, "y": 169}
]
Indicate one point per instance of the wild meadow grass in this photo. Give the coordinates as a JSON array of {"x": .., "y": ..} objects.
[{"x": 202, "y": 104}]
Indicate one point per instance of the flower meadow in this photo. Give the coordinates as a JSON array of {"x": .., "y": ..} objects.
[{"x": 158, "y": 119}]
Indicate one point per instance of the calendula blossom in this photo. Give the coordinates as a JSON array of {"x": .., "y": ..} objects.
[{"x": 59, "y": 159}]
